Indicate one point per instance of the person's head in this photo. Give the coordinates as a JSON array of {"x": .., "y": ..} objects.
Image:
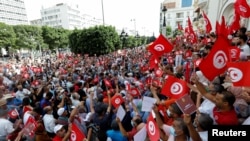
[
  {"x": 242, "y": 31},
  {"x": 224, "y": 100},
  {"x": 136, "y": 121},
  {"x": 48, "y": 109},
  {"x": 174, "y": 111},
  {"x": 59, "y": 130},
  {"x": 20, "y": 87},
  {"x": 48, "y": 95},
  {"x": 36, "y": 112},
  {"x": 62, "y": 112},
  {"x": 215, "y": 88},
  {"x": 26, "y": 101},
  {"x": 114, "y": 125},
  {"x": 242, "y": 39},
  {"x": 203, "y": 121},
  {"x": 179, "y": 127}
]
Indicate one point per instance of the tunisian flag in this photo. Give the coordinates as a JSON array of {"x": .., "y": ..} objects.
[
  {"x": 239, "y": 73},
  {"x": 192, "y": 35},
  {"x": 160, "y": 46},
  {"x": 242, "y": 8},
  {"x": 207, "y": 22},
  {"x": 215, "y": 62},
  {"x": 152, "y": 129},
  {"x": 76, "y": 133},
  {"x": 174, "y": 87},
  {"x": 234, "y": 53}
]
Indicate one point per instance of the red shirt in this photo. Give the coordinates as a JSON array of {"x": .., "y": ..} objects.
[
  {"x": 56, "y": 138},
  {"x": 225, "y": 118}
]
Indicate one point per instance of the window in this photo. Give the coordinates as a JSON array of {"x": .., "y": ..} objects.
[{"x": 179, "y": 15}]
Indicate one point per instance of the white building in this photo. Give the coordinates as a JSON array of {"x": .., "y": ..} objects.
[
  {"x": 13, "y": 12},
  {"x": 215, "y": 9},
  {"x": 175, "y": 14},
  {"x": 62, "y": 15},
  {"x": 90, "y": 21}
]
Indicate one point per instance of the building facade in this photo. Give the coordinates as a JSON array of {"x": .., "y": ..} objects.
[
  {"x": 186, "y": 3},
  {"x": 176, "y": 13},
  {"x": 90, "y": 21},
  {"x": 215, "y": 9},
  {"x": 13, "y": 12},
  {"x": 62, "y": 16}
]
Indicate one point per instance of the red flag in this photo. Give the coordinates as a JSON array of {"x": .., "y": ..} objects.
[
  {"x": 153, "y": 62},
  {"x": 160, "y": 46},
  {"x": 242, "y": 8},
  {"x": 76, "y": 133},
  {"x": 192, "y": 35},
  {"x": 30, "y": 127},
  {"x": 117, "y": 100},
  {"x": 221, "y": 28},
  {"x": 158, "y": 73},
  {"x": 207, "y": 22},
  {"x": 234, "y": 53},
  {"x": 235, "y": 25},
  {"x": 107, "y": 83},
  {"x": 180, "y": 27},
  {"x": 13, "y": 113},
  {"x": 215, "y": 62},
  {"x": 134, "y": 92},
  {"x": 239, "y": 73},
  {"x": 174, "y": 87},
  {"x": 152, "y": 129}
]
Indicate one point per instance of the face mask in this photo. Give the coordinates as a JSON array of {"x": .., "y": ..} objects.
[
  {"x": 132, "y": 123},
  {"x": 168, "y": 113},
  {"x": 172, "y": 131}
]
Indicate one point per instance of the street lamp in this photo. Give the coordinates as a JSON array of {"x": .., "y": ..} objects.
[
  {"x": 123, "y": 37},
  {"x": 137, "y": 38},
  {"x": 164, "y": 10}
]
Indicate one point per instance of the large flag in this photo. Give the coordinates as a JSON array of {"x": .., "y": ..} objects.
[
  {"x": 76, "y": 133},
  {"x": 174, "y": 87},
  {"x": 215, "y": 62},
  {"x": 152, "y": 129},
  {"x": 160, "y": 46},
  {"x": 242, "y": 8},
  {"x": 239, "y": 73},
  {"x": 30, "y": 127},
  {"x": 207, "y": 22}
]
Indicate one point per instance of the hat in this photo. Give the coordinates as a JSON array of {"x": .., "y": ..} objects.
[
  {"x": 3, "y": 101},
  {"x": 60, "y": 111},
  {"x": 7, "y": 96},
  {"x": 57, "y": 128}
]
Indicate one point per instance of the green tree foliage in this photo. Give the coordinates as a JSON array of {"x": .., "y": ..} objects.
[
  {"x": 55, "y": 37},
  {"x": 7, "y": 35},
  {"x": 168, "y": 30},
  {"x": 94, "y": 40},
  {"x": 29, "y": 37}
]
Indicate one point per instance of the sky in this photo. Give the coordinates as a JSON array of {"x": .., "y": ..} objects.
[{"x": 140, "y": 15}]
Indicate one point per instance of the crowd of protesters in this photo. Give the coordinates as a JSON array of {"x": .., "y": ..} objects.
[{"x": 68, "y": 90}]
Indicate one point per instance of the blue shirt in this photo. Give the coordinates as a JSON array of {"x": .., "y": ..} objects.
[{"x": 116, "y": 135}]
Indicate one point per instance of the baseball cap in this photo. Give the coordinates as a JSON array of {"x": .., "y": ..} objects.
[
  {"x": 60, "y": 111},
  {"x": 57, "y": 128}
]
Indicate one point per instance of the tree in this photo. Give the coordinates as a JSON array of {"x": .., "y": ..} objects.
[
  {"x": 29, "y": 37},
  {"x": 168, "y": 30},
  {"x": 94, "y": 40},
  {"x": 7, "y": 35},
  {"x": 55, "y": 37}
]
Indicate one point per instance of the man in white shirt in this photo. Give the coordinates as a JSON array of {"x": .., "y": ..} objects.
[
  {"x": 244, "y": 48},
  {"x": 21, "y": 93},
  {"x": 49, "y": 121}
]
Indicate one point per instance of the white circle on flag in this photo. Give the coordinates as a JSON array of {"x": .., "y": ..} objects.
[
  {"x": 133, "y": 92},
  {"x": 243, "y": 9},
  {"x": 233, "y": 53},
  {"x": 117, "y": 101},
  {"x": 73, "y": 136},
  {"x": 176, "y": 88},
  {"x": 151, "y": 127},
  {"x": 235, "y": 74},
  {"x": 159, "y": 47},
  {"x": 219, "y": 59},
  {"x": 13, "y": 113},
  {"x": 158, "y": 72}
]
